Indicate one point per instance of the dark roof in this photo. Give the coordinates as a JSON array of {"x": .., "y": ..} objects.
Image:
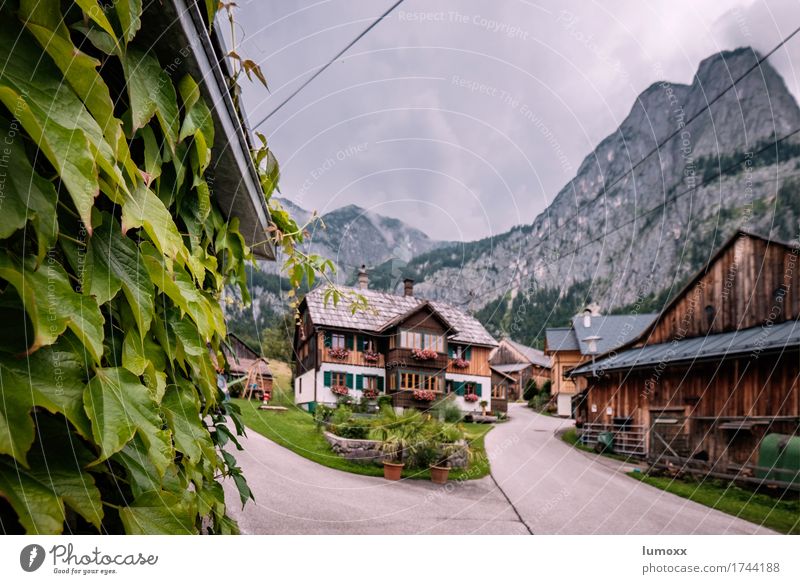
[
  {"x": 533, "y": 355},
  {"x": 561, "y": 339},
  {"x": 750, "y": 340},
  {"x": 511, "y": 367},
  {"x": 180, "y": 36},
  {"x": 385, "y": 308},
  {"x": 614, "y": 330}
]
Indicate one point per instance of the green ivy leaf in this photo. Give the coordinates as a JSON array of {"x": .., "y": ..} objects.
[
  {"x": 151, "y": 93},
  {"x": 27, "y": 197},
  {"x": 52, "y": 378},
  {"x": 118, "y": 406},
  {"x": 53, "y": 305},
  {"x": 55, "y": 477},
  {"x": 160, "y": 513},
  {"x": 117, "y": 264},
  {"x": 183, "y": 418},
  {"x": 128, "y": 13},
  {"x": 146, "y": 210}
]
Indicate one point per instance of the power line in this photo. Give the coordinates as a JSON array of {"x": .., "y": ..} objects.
[{"x": 329, "y": 63}]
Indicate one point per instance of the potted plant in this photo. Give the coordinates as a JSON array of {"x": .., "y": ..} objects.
[
  {"x": 445, "y": 439},
  {"x": 460, "y": 363},
  {"x": 399, "y": 435},
  {"x": 484, "y": 404}
]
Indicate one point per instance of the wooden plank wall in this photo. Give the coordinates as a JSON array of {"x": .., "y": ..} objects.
[{"x": 740, "y": 289}]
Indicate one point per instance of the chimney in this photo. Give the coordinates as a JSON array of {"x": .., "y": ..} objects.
[
  {"x": 363, "y": 278},
  {"x": 408, "y": 287}
]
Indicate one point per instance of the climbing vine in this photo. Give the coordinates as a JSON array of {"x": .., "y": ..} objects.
[{"x": 113, "y": 258}]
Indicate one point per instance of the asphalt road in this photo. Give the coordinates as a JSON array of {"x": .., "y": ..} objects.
[
  {"x": 297, "y": 496},
  {"x": 553, "y": 487},
  {"x": 560, "y": 490}
]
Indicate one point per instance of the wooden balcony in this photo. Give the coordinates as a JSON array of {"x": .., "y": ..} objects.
[
  {"x": 403, "y": 359},
  {"x": 404, "y": 398},
  {"x": 353, "y": 358}
]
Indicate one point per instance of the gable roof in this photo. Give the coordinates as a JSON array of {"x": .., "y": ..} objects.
[
  {"x": 415, "y": 309},
  {"x": 614, "y": 330},
  {"x": 533, "y": 355},
  {"x": 561, "y": 339},
  {"x": 776, "y": 337},
  {"x": 511, "y": 367},
  {"x": 386, "y": 308},
  {"x": 500, "y": 372}
]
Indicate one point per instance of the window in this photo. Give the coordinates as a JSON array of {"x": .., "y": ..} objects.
[
  {"x": 338, "y": 378},
  {"x": 412, "y": 381},
  {"x": 370, "y": 382},
  {"x": 367, "y": 344},
  {"x": 448, "y": 386},
  {"x": 458, "y": 351},
  {"x": 337, "y": 341},
  {"x": 415, "y": 340},
  {"x": 469, "y": 388},
  {"x": 499, "y": 391}
]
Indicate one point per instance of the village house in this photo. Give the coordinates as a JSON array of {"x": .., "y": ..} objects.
[
  {"x": 415, "y": 350},
  {"x": 716, "y": 372},
  {"x": 589, "y": 335},
  {"x": 521, "y": 364}
]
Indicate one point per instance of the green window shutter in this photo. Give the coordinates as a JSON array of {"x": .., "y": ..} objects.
[
  {"x": 468, "y": 354},
  {"x": 327, "y": 341},
  {"x": 459, "y": 388},
  {"x": 359, "y": 382},
  {"x": 348, "y": 341},
  {"x": 451, "y": 351},
  {"x": 478, "y": 389},
  {"x": 327, "y": 378},
  {"x": 349, "y": 380},
  {"x": 380, "y": 383}
]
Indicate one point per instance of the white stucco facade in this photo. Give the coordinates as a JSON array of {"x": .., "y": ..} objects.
[{"x": 486, "y": 391}]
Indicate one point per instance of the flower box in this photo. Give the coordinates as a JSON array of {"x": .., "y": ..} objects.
[
  {"x": 471, "y": 397},
  {"x": 340, "y": 390},
  {"x": 370, "y": 393},
  {"x": 371, "y": 356},
  {"x": 460, "y": 363},
  {"x": 424, "y": 395},
  {"x": 424, "y": 354},
  {"x": 338, "y": 353}
]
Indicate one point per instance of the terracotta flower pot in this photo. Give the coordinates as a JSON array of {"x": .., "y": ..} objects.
[
  {"x": 439, "y": 474},
  {"x": 392, "y": 470}
]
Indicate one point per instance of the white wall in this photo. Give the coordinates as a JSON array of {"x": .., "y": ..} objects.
[
  {"x": 486, "y": 392},
  {"x": 564, "y": 403},
  {"x": 306, "y": 383},
  {"x": 326, "y": 396}
]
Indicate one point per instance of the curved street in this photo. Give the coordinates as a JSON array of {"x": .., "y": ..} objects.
[{"x": 550, "y": 486}]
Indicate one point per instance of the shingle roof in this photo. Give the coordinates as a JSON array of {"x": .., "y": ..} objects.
[
  {"x": 614, "y": 330},
  {"x": 511, "y": 367},
  {"x": 561, "y": 339},
  {"x": 533, "y": 355},
  {"x": 385, "y": 307},
  {"x": 751, "y": 340}
]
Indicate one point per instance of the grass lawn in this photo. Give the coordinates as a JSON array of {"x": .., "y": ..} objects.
[
  {"x": 782, "y": 515},
  {"x": 295, "y": 429}
]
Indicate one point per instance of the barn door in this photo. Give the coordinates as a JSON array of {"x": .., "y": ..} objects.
[{"x": 669, "y": 433}]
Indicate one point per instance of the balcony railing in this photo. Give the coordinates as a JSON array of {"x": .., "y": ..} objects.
[
  {"x": 353, "y": 358},
  {"x": 403, "y": 358}
]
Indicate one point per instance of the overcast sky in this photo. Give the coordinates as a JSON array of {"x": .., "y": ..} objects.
[{"x": 465, "y": 118}]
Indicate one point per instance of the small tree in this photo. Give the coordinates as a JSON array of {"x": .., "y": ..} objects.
[{"x": 531, "y": 389}]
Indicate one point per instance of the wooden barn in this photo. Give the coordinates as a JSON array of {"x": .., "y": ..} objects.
[
  {"x": 715, "y": 373},
  {"x": 248, "y": 367},
  {"x": 521, "y": 363}
]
